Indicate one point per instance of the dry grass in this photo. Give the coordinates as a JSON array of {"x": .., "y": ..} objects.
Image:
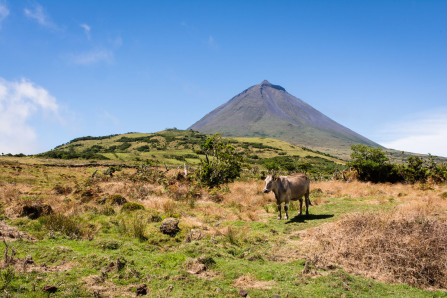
[
  {"x": 357, "y": 189},
  {"x": 249, "y": 282},
  {"x": 247, "y": 194},
  {"x": 407, "y": 245}
]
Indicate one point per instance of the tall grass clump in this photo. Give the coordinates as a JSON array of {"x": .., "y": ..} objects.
[
  {"x": 400, "y": 247},
  {"x": 70, "y": 226}
]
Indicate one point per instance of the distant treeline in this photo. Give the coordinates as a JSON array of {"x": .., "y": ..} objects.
[{"x": 373, "y": 165}]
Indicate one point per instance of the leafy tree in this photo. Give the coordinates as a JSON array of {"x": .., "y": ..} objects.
[
  {"x": 222, "y": 164},
  {"x": 372, "y": 164},
  {"x": 414, "y": 170}
]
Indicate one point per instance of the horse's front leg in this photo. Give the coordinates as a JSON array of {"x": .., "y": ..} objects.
[{"x": 279, "y": 210}]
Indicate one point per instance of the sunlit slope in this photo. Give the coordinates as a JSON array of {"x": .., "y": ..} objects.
[{"x": 174, "y": 146}]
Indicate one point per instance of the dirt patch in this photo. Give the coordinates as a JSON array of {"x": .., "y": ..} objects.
[
  {"x": 99, "y": 287},
  {"x": 249, "y": 282},
  {"x": 201, "y": 267}
]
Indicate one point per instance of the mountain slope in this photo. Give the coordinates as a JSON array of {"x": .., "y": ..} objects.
[{"x": 267, "y": 110}]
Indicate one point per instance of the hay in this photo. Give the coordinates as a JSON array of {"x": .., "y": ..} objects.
[{"x": 396, "y": 247}]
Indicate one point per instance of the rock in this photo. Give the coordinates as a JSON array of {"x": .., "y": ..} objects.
[
  {"x": 142, "y": 290},
  {"x": 36, "y": 211},
  {"x": 194, "y": 235},
  {"x": 243, "y": 293},
  {"x": 169, "y": 226},
  {"x": 49, "y": 289},
  {"x": 199, "y": 265}
]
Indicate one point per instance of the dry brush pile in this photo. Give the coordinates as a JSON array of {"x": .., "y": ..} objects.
[{"x": 406, "y": 245}]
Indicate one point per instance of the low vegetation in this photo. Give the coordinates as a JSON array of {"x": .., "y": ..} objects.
[
  {"x": 372, "y": 164},
  {"x": 104, "y": 235},
  {"x": 174, "y": 147},
  {"x": 107, "y": 228}
]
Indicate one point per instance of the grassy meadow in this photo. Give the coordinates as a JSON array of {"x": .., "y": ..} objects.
[{"x": 102, "y": 236}]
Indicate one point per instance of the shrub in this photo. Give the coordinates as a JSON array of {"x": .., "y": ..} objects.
[
  {"x": 109, "y": 244},
  {"x": 222, "y": 164},
  {"x": 373, "y": 165},
  {"x": 116, "y": 199},
  {"x": 69, "y": 226},
  {"x": 144, "y": 148},
  {"x": 123, "y": 146},
  {"x": 131, "y": 206}
]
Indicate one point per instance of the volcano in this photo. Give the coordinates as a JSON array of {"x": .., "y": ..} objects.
[{"x": 268, "y": 110}]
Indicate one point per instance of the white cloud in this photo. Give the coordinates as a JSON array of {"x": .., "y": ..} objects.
[
  {"x": 424, "y": 133},
  {"x": 92, "y": 57},
  {"x": 19, "y": 102},
  {"x": 87, "y": 29},
  {"x": 38, "y": 14},
  {"x": 4, "y": 12}
]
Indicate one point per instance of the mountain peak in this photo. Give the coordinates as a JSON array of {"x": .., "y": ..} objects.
[
  {"x": 266, "y": 83},
  {"x": 267, "y": 110}
]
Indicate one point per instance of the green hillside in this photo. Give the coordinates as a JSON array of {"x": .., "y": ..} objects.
[{"x": 177, "y": 147}]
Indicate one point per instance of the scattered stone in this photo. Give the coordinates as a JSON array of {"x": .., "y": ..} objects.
[
  {"x": 243, "y": 293},
  {"x": 195, "y": 267},
  {"x": 36, "y": 211},
  {"x": 11, "y": 233},
  {"x": 142, "y": 290},
  {"x": 199, "y": 265},
  {"x": 169, "y": 226},
  {"x": 275, "y": 296},
  {"x": 49, "y": 289},
  {"x": 194, "y": 235}
]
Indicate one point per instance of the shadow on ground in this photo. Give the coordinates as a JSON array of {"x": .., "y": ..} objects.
[{"x": 304, "y": 218}]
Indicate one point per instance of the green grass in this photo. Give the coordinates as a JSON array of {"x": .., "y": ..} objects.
[
  {"x": 159, "y": 261},
  {"x": 85, "y": 246}
]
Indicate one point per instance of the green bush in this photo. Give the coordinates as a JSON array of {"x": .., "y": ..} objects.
[
  {"x": 372, "y": 165},
  {"x": 222, "y": 164},
  {"x": 131, "y": 206},
  {"x": 144, "y": 148}
]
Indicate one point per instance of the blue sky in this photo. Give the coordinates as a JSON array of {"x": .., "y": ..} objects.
[{"x": 76, "y": 68}]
